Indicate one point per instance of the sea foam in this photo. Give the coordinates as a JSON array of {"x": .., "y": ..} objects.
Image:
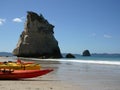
[{"x": 84, "y": 61}]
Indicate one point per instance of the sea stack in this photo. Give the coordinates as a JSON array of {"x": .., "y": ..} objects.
[
  {"x": 37, "y": 39},
  {"x": 70, "y": 55},
  {"x": 86, "y": 53}
]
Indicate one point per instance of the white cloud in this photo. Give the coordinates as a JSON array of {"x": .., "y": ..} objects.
[
  {"x": 17, "y": 20},
  {"x": 107, "y": 36},
  {"x": 2, "y": 21}
]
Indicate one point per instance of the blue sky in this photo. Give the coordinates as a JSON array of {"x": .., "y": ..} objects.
[{"x": 79, "y": 24}]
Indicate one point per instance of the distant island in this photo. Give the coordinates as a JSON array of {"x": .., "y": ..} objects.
[{"x": 5, "y": 54}]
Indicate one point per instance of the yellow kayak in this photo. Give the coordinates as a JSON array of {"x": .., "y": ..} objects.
[{"x": 20, "y": 66}]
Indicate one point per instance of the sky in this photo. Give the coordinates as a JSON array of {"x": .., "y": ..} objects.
[{"x": 79, "y": 24}]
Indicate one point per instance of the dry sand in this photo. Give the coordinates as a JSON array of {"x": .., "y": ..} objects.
[{"x": 69, "y": 76}]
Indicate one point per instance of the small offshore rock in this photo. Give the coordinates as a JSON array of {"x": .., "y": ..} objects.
[
  {"x": 69, "y": 55},
  {"x": 86, "y": 53}
]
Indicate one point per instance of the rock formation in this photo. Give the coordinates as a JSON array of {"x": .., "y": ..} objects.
[
  {"x": 86, "y": 53},
  {"x": 37, "y": 39},
  {"x": 69, "y": 55}
]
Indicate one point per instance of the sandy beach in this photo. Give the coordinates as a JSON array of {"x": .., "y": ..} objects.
[{"x": 69, "y": 76}]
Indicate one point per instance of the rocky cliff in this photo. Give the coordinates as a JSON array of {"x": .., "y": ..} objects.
[{"x": 37, "y": 39}]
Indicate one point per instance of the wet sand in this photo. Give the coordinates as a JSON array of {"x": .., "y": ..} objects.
[{"x": 69, "y": 76}]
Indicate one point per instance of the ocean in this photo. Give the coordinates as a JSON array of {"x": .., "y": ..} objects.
[
  {"x": 112, "y": 59},
  {"x": 109, "y": 59},
  {"x": 97, "y": 57}
]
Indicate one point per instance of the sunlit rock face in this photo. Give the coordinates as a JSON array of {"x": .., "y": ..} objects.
[{"x": 37, "y": 39}]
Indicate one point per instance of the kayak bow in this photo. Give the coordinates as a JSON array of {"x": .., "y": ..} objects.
[{"x": 22, "y": 74}]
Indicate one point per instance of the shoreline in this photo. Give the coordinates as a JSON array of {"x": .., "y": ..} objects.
[
  {"x": 104, "y": 62},
  {"x": 89, "y": 61},
  {"x": 69, "y": 76}
]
